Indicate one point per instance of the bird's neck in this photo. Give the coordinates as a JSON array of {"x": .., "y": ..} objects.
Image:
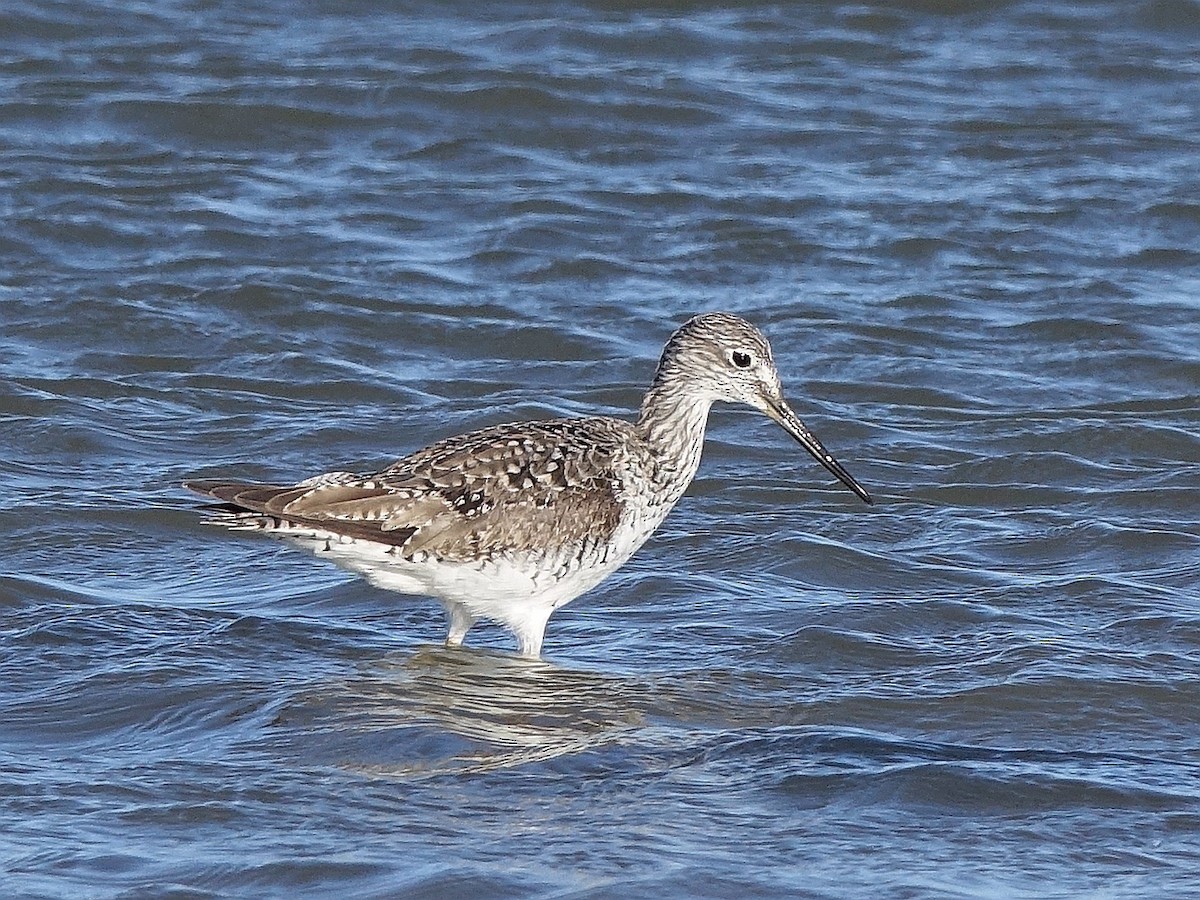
[{"x": 672, "y": 422}]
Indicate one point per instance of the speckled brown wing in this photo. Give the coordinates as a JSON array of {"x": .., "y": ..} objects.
[
  {"x": 510, "y": 488},
  {"x": 529, "y": 485},
  {"x": 267, "y": 506}
]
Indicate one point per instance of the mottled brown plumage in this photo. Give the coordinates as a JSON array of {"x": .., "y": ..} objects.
[
  {"x": 509, "y": 488},
  {"x": 513, "y": 521}
]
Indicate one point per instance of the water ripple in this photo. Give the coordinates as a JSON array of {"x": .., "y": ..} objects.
[{"x": 247, "y": 239}]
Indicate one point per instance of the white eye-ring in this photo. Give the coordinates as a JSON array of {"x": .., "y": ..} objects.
[{"x": 743, "y": 359}]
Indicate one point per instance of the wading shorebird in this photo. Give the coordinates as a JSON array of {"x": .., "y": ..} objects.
[{"x": 512, "y": 522}]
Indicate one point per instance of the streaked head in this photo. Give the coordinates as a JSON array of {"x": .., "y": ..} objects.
[{"x": 723, "y": 357}]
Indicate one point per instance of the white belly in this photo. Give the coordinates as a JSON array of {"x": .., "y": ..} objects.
[{"x": 519, "y": 591}]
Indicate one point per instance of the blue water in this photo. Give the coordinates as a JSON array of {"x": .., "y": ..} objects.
[{"x": 272, "y": 240}]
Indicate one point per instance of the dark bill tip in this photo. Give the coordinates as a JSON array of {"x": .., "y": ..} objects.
[{"x": 782, "y": 413}]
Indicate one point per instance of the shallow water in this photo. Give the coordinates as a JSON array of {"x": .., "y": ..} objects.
[{"x": 279, "y": 240}]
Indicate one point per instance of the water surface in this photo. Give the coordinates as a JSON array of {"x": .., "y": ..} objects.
[{"x": 276, "y": 240}]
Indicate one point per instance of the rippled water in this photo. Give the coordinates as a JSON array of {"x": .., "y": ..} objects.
[{"x": 272, "y": 239}]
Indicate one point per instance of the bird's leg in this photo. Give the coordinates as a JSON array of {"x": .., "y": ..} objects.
[
  {"x": 530, "y": 630},
  {"x": 529, "y": 646},
  {"x": 460, "y": 623}
]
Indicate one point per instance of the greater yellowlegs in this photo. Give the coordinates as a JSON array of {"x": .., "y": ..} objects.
[{"x": 512, "y": 522}]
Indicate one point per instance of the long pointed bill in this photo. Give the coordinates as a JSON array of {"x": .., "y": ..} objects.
[{"x": 780, "y": 412}]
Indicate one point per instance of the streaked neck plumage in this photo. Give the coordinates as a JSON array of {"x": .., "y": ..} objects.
[{"x": 672, "y": 421}]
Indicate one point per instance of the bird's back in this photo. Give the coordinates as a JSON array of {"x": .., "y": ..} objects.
[{"x": 507, "y": 489}]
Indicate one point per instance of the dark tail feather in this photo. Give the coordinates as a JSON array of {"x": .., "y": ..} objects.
[
  {"x": 241, "y": 494},
  {"x": 260, "y": 506}
]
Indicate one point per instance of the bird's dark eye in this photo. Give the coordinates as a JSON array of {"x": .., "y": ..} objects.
[{"x": 740, "y": 359}]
